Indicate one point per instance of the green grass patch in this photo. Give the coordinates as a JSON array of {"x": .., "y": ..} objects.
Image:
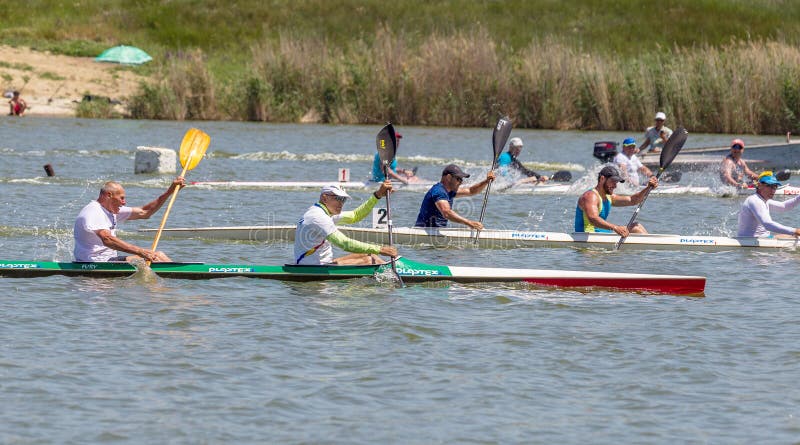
[
  {"x": 50, "y": 76},
  {"x": 16, "y": 66}
]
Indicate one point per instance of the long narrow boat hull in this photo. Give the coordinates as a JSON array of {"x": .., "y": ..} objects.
[
  {"x": 534, "y": 189},
  {"x": 411, "y": 271},
  {"x": 492, "y": 239},
  {"x": 763, "y": 156}
]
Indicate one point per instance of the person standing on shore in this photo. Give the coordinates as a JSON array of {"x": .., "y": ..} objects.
[
  {"x": 656, "y": 136},
  {"x": 734, "y": 170},
  {"x": 17, "y": 106}
]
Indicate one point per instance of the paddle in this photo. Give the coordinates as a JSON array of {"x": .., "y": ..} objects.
[
  {"x": 193, "y": 147},
  {"x": 561, "y": 176},
  {"x": 499, "y": 138},
  {"x": 783, "y": 175},
  {"x": 668, "y": 153},
  {"x": 387, "y": 149}
]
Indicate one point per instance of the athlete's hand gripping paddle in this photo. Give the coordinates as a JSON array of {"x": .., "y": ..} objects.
[
  {"x": 499, "y": 138},
  {"x": 193, "y": 147},
  {"x": 386, "y": 142},
  {"x": 668, "y": 153}
]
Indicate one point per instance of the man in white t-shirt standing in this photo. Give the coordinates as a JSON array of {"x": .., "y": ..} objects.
[
  {"x": 629, "y": 164},
  {"x": 657, "y": 135},
  {"x": 317, "y": 232},
  {"x": 95, "y": 229},
  {"x": 754, "y": 217}
]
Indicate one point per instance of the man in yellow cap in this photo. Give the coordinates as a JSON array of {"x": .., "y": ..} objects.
[{"x": 754, "y": 216}]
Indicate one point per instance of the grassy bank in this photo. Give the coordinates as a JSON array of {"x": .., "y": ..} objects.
[
  {"x": 467, "y": 80},
  {"x": 719, "y": 66}
]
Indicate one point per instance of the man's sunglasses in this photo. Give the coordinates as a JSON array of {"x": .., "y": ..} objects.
[{"x": 341, "y": 199}]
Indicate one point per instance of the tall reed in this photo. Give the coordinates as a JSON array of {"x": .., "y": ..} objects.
[
  {"x": 467, "y": 79},
  {"x": 183, "y": 89}
]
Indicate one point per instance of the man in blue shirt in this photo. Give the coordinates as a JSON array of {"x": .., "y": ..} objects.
[
  {"x": 509, "y": 164},
  {"x": 437, "y": 205}
]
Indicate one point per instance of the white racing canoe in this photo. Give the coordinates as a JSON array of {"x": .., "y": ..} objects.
[
  {"x": 493, "y": 239},
  {"x": 535, "y": 189},
  {"x": 411, "y": 271}
]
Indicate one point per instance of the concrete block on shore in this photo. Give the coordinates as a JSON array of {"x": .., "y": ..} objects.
[{"x": 154, "y": 160}]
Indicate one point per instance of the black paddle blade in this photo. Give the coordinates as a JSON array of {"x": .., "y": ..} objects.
[
  {"x": 672, "y": 147},
  {"x": 499, "y": 137},
  {"x": 387, "y": 144},
  {"x": 783, "y": 175},
  {"x": 561, "y": 176},
  {"x": 671, "y": 177}
]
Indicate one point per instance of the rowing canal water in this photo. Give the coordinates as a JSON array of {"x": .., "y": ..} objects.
[{"x": 149, "y": 360}]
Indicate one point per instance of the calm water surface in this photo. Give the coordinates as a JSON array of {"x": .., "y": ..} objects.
[{"x": 148, "y": 360}]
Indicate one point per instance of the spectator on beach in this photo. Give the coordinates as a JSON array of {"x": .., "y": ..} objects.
[{"x": 17, "y": 105}]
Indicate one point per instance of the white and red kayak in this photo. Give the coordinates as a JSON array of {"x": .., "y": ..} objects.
[{"x": 410, "y": 271}]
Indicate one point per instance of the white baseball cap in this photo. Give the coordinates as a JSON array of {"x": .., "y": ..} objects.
[
  {"x": 335, "y": 190},
  {"x": 515, "y": 142},
  {"x": 661, "y": 115}
]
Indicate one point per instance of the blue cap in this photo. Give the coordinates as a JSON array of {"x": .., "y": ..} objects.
[
  {"x": 769, "y": 180},
  {"x": 629, "y": 141}
]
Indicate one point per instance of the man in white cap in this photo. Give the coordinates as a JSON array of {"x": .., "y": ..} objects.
[
  {"x": 595, "y": 204},
  {"x": 508, "y": 162},
  {"x": 317, "y": 231},
  {"x": 657, "y": 135},
  {"x": 754, "y": 217}
]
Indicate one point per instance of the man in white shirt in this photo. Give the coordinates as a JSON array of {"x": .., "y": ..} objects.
[
  {"x": 629, "y": 164},
  {"x": 657, "y": 135},
  {"x": 95, "y": 229},
  {"x": 754, "y": 217},
  {"x": 317, "y": 231}
]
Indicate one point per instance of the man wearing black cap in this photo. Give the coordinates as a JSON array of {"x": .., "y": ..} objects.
[
  {"x": 437, "y": 206},
  {"x": 595, "y": 204}
]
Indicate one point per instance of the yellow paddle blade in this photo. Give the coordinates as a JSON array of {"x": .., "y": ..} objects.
[{"x": 194, "y": 146}]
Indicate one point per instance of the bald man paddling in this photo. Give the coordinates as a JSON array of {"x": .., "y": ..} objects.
[{"x": 95, "y": 229}]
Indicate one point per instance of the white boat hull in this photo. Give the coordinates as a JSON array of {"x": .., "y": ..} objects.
[
  {"x": 493, "y": 239},
  {"x": 543, "y": 189}
]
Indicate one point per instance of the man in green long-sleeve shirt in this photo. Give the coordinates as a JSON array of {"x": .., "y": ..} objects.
[{"x": 317, "y": 232}]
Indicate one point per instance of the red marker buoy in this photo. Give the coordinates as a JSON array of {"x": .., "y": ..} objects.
[{"x": 49, "y": 170}]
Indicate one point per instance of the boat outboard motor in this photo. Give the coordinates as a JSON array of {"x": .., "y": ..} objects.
[{"x": 605, "y": 151}]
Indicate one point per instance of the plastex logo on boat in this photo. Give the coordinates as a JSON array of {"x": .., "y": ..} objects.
[
  {"x": 697, "y": 241},
  {"x": 529, "y": 235},
  {"x": 18, "y": 266},
  {"x": 89, "y": 266},
  {"x": 231, "y": 269},
  {"x": 417, "y": 272}
]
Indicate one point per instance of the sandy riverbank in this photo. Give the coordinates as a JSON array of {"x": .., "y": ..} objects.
[{"x": 52, "y": 85}]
